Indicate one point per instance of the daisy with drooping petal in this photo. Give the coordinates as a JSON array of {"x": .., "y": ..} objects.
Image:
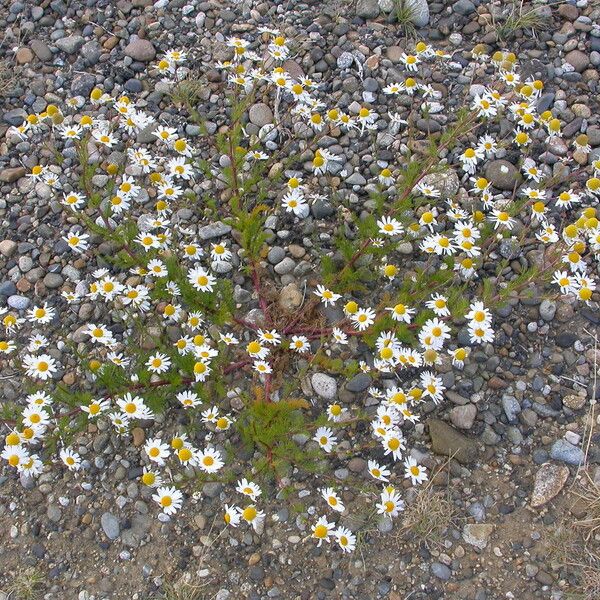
[
  {"x": 253, "y": 516},
  {"x": 248, "y": 488},
  {"x": 232, "y": 515},
  {"x": 332, "y": 499},
  {"x": 322, "y": 530},
  {"x": 327, "y": 296},
  {"x": 380, "y": 472}
]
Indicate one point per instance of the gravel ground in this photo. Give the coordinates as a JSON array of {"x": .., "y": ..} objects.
[{"x": 514, "y": 418}]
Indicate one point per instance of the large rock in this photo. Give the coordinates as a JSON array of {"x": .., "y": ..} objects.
[
  {"x": 324, "y": 386},
  {"x": 367, "y": 9},
  {"x": 448, "y": 441},
  {"x": 447, "y": 182},
  {"x": 549, "y": 481},
  {"x": 140, "y": 49},
  {"x": 419, "y": 10},
  {"x": 502, "y": 174},
  {"x": 70, "y": 44}
]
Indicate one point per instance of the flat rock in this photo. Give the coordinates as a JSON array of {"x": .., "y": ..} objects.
[
  {"x": 574, "y": 401},
  {"x": 566, "y": 452},
  {"x": 448, "y": 441},
  {"x": 549, "y": 481},
  {"x": 70, "y": 44},
  {"x": 110, "y": 525},
  {"x": 12, "y": 174},
  {"x": 477, "y": 534}
]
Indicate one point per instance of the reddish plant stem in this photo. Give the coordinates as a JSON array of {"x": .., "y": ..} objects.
[
  {"x": 262, "y": 302},
  {"x": 234, "y": 366}
]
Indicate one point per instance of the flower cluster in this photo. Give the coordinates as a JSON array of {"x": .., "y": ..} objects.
[{"x": 166, "y": 333}]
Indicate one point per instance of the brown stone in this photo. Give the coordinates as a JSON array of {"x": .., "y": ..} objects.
[
  {"x": 23, "y": 56},
  {"x": 138, "y": 436},
  {"x": 549, "y": 481},
  {"x": 12, "y": 174}
]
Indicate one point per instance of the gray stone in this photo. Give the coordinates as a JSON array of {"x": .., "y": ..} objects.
[
  {"x": 549, "y": 481},
  {"x": 285, "y": 266},
  {"x": 70, "y": 44},
  {"x": 502, "y": 174},
  {"x": 359, "y": 383},
  {"x": 356, "y": 179},
  {"x": 511, "y": 407},
  {"x": 15, "y": 117},
  {"x": 565, "y": 452},
  {"x": 213, "y": 230},
  {"x": 367, "y": 9},
  {"x": 276, "y": 255},
  {"x": 464, "y": 7},
  {"x": 447, "y": 182},
  {"x": 41, "y": 50},
  {"x": 441, "y": 571},
  {"x": 54, "y": 513},
  {"x": 324, "y": 385},
  {"x": 419, "y": 10},
  {"x": 110, "y": 525},
  {"x": 140, "y": 49},
  {"x": 345, "y": 60},
  {"x": 18, "y": 302},
  {"x": 448, "y": 441},
  {"x": 260, "y": 114},
  {"x": 83, "y": 84},
  {"x": 53, "y": 280},
  {"x": 547, "y": 310}
]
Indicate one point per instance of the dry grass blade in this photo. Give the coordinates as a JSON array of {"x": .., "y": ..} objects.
[
  {"x": 183, "y": 589},
  {"x": 26, "y": 586},
  {"x": 6, "y": 76},
  {"x": 590, "y": 584},
  {"x": 523, "y": 17},
  {"x": 588, "y": 495},
  {"x": 431, "y": 513}
]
